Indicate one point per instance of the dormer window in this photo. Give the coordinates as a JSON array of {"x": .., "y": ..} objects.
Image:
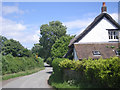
[
  {"x": 113, "y": 34},
  {"x": 117, "y": 53},
  {"x": 96, "y": 53}
]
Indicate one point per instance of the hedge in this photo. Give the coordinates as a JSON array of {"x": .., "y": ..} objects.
[
  {"x": 12, "y": 64},
  {"x": 57, "y": 72},
  {"x": 55, "y": 64},
  {"x": 105, "y": 72}
]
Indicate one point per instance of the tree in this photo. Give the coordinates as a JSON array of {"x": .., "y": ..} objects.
[
  {"x": 26, "y": 52},
  {"x": 38, "y": 49},
  {"x": 2, "y": 40},
  {"x": 49, "y": 34},
  {"x": 60, "y": 47},
  {"x": 15, "y": 48}
]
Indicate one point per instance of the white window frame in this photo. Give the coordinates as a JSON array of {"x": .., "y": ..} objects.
[
  {"x": 113, "y": 35},
  {"x": 117, "y": 52},
  {"x": 96, "y": 53}
]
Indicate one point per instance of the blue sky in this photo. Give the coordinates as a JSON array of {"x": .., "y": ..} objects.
[{"x": 22, "y": 20}]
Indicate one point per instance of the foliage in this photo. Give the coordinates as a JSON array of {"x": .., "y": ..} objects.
[
  {"x": 104, "y": 72},
  {"x": 15, "y": 48},
  {"x": 49, "y": 34},
  {"x": 49, "y": 61},
  {"x": 56, "y": 76},
  {"x": 38, "y": 49},
  {"x": 12, "y": 64},
  {"x": 63, "y": 85},
  {"x": 2, "y": 40},
  {"x": 55, "y": 64},
  {"x": 60, "y": 47}
]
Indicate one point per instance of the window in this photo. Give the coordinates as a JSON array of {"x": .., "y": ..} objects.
[
  {"x": 117, "y": 53},
  {"x": 96, "y": 53},
  {"x": 113, "y": 34}
]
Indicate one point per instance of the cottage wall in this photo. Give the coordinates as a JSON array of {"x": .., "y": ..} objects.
[{"x": 99, "y": 32}]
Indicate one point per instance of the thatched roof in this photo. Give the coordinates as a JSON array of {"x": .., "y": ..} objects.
[
  {"x": 92, "y": 25},
  {"x": 106, "y": 50}
]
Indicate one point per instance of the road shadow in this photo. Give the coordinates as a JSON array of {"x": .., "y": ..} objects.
[
  {"x": 47, "y": 66},
  {"x": 50, "y": 72}
]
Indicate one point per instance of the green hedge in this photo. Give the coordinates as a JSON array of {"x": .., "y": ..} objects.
[
  {"x": 12, "y": 64},
  {"x": 104, "y": 72},
  {"x": 49, "y": 61},
  {"x": 55, "y": 64},
  {"x": 56, "y": 76}
]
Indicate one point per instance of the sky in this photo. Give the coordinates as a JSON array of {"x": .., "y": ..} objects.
[{"x": 21, "y": 21}]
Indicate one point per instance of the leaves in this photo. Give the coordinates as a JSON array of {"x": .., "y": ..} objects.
[
  {"x": 15, "y": 48},
  {"x": 12, "y": 64},
  {"x": 104, "y": 71},
  {"x": 49, "y": 34},
  {"x": 60, "y": 47},
  {"x": 38, "y": 49}
]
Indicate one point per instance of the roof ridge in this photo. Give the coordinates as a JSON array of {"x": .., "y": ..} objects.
[{"x": 95, "y": 22}]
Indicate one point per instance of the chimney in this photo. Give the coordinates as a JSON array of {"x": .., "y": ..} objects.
[{"x": 104, "y": 8}]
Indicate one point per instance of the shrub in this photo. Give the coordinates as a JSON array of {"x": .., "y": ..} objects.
[
  {"x": 57, "y": 72},
  {"x": 104, "y": 72},
  {"x": 55, "y": 64},
  {"x": 60, "y": 47},
  {"x": 49, "y": 61},
  {"x": 12, "y": 64}
]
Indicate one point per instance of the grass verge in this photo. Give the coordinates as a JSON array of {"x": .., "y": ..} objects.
[
  {"x": 23, "y": 73},
  {"x": 57, "y": 82}
]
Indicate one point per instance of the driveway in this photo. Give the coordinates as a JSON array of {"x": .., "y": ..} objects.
[{"x": 36, "y": 80}]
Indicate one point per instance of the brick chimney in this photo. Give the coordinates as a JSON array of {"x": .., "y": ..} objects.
[{"x": 104, "y": 8}]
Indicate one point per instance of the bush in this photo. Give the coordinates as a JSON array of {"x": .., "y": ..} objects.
[
  {"x": 60, "y": 47},
  {"x": 12, "y": 64},
  {"x": 104, "y": 72},
  {"x": 55, "y": 64},
  {"x": 15, "y": 48},
  {"x": 49, "y": 61},
  {"x": 57, "y": 72}
]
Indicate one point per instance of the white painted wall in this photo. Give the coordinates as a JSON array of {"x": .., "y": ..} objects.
[
  {"x": 99, "y": 32},
  {"x": 75, "y": 55}
]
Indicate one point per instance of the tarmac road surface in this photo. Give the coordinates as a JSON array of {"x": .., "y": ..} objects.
[{"x": 36, "y": 80}]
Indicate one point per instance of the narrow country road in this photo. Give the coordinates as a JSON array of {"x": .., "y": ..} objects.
[{"x": 36, "y": 80}]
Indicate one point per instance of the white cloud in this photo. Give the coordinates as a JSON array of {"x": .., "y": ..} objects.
[
  {"x": 11, "y": 9},
  {"x": 30, "y": 34},
  {"x": 114, "y": 16},
  {"x": 9, "y": 26},
  {"x": 80, "y": 25},
  {"x": 20, "y": 32},
  {"x": 31, "y": 37},
  {"x": 77, "y": 24}
]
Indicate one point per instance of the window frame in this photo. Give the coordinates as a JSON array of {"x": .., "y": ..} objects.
[
  {"x": 96, "y": 54},
  {"x": 117, "y": 53},
  {"x": 113, "y": 35}
]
